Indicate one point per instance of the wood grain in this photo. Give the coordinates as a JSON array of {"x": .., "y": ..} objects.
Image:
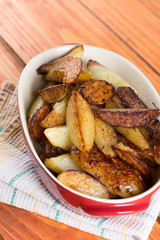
[
  {"x": 27, "y": 27},
  {"x": 18, "y": 224},
  {"x": 57, "y": 29},
  {"x": 134, "y": 24}
]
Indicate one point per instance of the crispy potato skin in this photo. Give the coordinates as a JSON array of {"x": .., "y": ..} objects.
[
  {"x": 129, "y": 98},
  {"x": 72, "y": 69},
  {"x": 120, "y": 178},
  {"x": 34, "y": 122},
  {"x": 55, "y": 93},
  {"x": 131, "y": 157},
  {"x": 60, "y": 62},
  {"x": 97, "y": 92},
  {"x": 83, "y": 183},
  {"x": 80, "y": 122},
  {"x": 129, "y": 118}
]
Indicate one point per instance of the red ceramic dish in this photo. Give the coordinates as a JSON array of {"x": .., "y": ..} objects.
[{"x": 30, "y": 82}]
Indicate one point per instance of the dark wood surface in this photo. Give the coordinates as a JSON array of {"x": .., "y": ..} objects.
[{"x": 129, "y": 27}]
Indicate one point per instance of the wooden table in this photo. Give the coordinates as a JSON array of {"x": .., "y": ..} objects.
[{"x": 129, "y": 27}]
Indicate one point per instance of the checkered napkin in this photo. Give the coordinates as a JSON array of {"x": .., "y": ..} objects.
[{"x": 21, "y": 187}]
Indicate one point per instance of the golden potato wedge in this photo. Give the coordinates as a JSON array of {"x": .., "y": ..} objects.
[
  {"x": 61, "y": 163},
  {"x": 54, "y": 93},
  {"x": 38, "y": 101},
  {"x": 130, "y": 118},
  {"x": 101, "y": 72},
  {"x": 105, "y": 137},
  {"x": 134, "y": 135},
  {"x": 97, "y": 92},
  {"x": 34, "y": 122},
  {"x": 59, "y": 137},
  {"x": 50, "y": 149},
  {"x": 57, "y": 116},
  {"x": 72, "y": 69},
  {"x": 60, "y": 62},
  {"x": 131, "y": 157},
  {"x": 80, "y": 122},
  {"x": 83, "y": 183},
  {"x": 120, "y": 178}
]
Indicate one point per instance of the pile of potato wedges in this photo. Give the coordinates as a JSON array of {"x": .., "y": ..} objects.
[{"x": 97, "y": 135}]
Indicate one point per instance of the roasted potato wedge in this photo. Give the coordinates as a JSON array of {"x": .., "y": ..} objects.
[
  {"x": 58, "y": 74},
  {"x": 50, "y": 149},
  {"x": 131, "y": 157},
  {"x": 60, "y": 62},
  {"x": 72, "y": 69},
  {"x": 38, "y": 101},
  {"x": 134, "y": 135},
  {"x": 80, "y": 122},
  {"x": 101, "y": 72},
  {"x": 34, "y": 122},
  {"x": 105, "y": 137},
  {"x": 120, "y": 178},
  {"x": 146, "y": 154},
  {"x": 59, "y": 137},
  {"x": 55, "y": 93},
  {"x": 129, "y": 98},
  {"x": 97, "y": 92},
  {"x": 57, "y": 116},
  {"x": 61, "y": 163},
  {"x": 83, "y": 183},
  {"x": 55, "y": 75},
  {"x": 130, "y": 118}
]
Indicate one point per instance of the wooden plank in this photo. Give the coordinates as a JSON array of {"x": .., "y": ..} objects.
[
  {"x": 20, "y": 224},
  {"x": 153, "y": 6},
  {"x": 10, "y": 66},
  {"x": 155, "y": 233},
  {"x": 20, "y": 23},
  {"x": 135, "y": 24}
]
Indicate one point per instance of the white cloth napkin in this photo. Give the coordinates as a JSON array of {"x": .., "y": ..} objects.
[{"x": 20, "y": 185}]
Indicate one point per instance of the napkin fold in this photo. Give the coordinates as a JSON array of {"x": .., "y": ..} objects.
[{"x": 20, "y": 185}]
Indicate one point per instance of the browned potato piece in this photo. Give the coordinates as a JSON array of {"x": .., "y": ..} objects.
[
  {"x": 130, "y": 98},
  {"x": 141, "y": 146},
  {"x": 80, "y": 122},
  {"x": 105, "y": 137},
  {"x": 129, "y": 118},
  {"x": 101, "y": 72},
  {"x": 97, "y": 92},
  {"x": 131, "y": 157},
  {"x": 61, "y": 163},
  {"x": 72, "y": 70},
  {"x": 50, "y": 149},
  {"x": 120, "y": 178},
  {"x": 134, "y": 136},
  {"x": 54, "y": 93},
  {"x": 59, "y": 137},
  {"x": 58, "y": 74},
  {"x": 83, "y": 183},
  {"x": 34, "y": 122},
  {"x": 57, "y": 116},
  {"x": 60, "y": 62}
]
